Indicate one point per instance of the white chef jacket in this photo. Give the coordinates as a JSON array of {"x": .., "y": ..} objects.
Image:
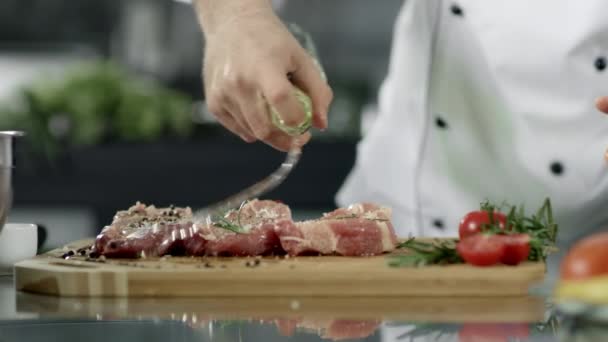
[{"x": 489, "y": 100}]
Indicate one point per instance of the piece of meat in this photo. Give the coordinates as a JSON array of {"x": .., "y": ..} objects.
[
  {"x": 351, "y": 329},
  {"x": 267, "y": 228},
  {"x": 330, "y": 329},
  {"x": 286, "y": 326},
  {"x": 195, "y": 244},
  {"x": 360, "y": 230},
  {"x": 145, "y": 231},
  {"x": 259, "y": 221}
]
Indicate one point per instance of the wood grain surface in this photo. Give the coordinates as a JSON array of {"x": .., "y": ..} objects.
[
  {"x": 310, "y": 276},
  {"x": 408, "y": 309}
]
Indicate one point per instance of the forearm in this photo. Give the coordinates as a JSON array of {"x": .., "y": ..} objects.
[{"x": 213, "y": 14}]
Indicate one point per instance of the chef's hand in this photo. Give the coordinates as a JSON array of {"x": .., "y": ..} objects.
[
  {"x": 602, "y": 104},
  {"x": 249, "y": 55}
]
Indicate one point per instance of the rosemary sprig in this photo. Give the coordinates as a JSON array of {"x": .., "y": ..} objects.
[
  {"x": 355, "y": 216},
  {"x": 430, "y": 331},
  {"x": 221, "y": 221},
  {"x": 541, "y": 228},
  {"x": 425, "y": 253},
  {"x": 224, "y": 223}
]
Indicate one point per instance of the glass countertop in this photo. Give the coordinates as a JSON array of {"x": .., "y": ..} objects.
[{"x": 30, "y": 317}]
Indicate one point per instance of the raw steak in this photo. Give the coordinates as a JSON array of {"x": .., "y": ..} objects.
[
  {"x": 145, "y": 231},
  {"x": 360, "y": 230},
  {"x": 264, "y": 227},
  {"x": 335, "y": 330},
  {"x": 259, "y": 221},
  {"x": 350, "y": 329}
]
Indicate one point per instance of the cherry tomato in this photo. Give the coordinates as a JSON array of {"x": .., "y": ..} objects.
[
  {"x": 472, "y": 222},
  {"x": 481, "y": 249},
  {"x": 517, "y": 248},
  {"x": 587, "y": 258},
  {"x": 486, "y": 332}
]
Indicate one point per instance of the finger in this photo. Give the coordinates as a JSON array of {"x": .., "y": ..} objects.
[
  {"x": 228, "y": 121},
  {"x": 253, "y": 114},
  {"x": 255, "y": 111},
  {"x": 223, "y": 109},
  {"x": 308, "y": 78},
  {"x": 238, "y": 115},
  {"x": 284, "y": 142},
  {"x": 602, "y": 104},
  {"x": 280, "y": 94}
]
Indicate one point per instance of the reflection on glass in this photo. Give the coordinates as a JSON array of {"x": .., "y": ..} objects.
[{"x": 329, "y": 319}]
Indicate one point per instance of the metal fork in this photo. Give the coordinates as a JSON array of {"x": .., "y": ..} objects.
[{"x": 256, "y": 190}]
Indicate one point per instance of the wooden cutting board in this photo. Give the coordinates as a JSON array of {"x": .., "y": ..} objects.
[
  {"x": 274, "y": 276},
  {"x": 506, "y": 309}
]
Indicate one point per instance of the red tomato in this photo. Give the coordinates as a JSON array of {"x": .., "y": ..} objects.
[
  {"x": 486, "y": 332},
  {"x": 482, "y": 333},
  {"x": 472, "y": 222},
  {"x": 587, "y": 258},
  {"x": 481, "y": 249},
  {"x": 517, "y": 248}
]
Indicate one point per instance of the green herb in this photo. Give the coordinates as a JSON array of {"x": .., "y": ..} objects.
[
  {"x": 93, "y": 103},
  {"x": 551, "y": 324},
  {"x": 425, "y": 253},
  {"x": 223, "y": 222},
  {"x": 355, "y": 216},
  {"x": 429, "y": 331},
  {"x": 541, "y": 228},
  {"x": 224, "y": 324}
]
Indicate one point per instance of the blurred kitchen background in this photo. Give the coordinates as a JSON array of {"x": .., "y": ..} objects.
[{"x": 110, "y": 95}]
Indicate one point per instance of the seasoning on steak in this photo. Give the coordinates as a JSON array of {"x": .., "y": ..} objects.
[
  {"x": 360, "y": 230},
  {"x": 258, "y": 220},
  {"x": 144, "y": 231},
  {"x": 259, "y": 227}
]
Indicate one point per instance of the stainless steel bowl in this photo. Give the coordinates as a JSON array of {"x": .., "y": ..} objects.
[{"x": 6, "y": 169}]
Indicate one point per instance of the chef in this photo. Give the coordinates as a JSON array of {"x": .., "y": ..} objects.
[{"x": 484, "y": 100}]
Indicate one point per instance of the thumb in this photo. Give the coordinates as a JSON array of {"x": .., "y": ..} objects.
[{"x": 308, "y": 78}]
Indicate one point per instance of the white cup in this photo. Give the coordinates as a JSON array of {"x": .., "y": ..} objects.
[{"x": 18, "y": 241}]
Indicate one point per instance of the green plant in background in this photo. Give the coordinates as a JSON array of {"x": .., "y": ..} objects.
[{"x": 96, "y": 103}]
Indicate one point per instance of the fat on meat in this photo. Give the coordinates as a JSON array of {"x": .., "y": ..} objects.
[
  {"x": 268, "y": 228},
  {"x": 260, "y": 219},
  {"x": 362, "y": 229}
]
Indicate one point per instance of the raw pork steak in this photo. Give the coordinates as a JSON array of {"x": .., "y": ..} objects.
[
  {"x": 144, "y": 231},
  {"x": 258, "y": 221},
  {"x": 360, "y": 230},
  {"x": 259, "y": 227},
  {"x": 335, "y": 330}
]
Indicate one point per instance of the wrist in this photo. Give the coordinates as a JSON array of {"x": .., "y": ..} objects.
[{"x": 213, "y": 14}]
